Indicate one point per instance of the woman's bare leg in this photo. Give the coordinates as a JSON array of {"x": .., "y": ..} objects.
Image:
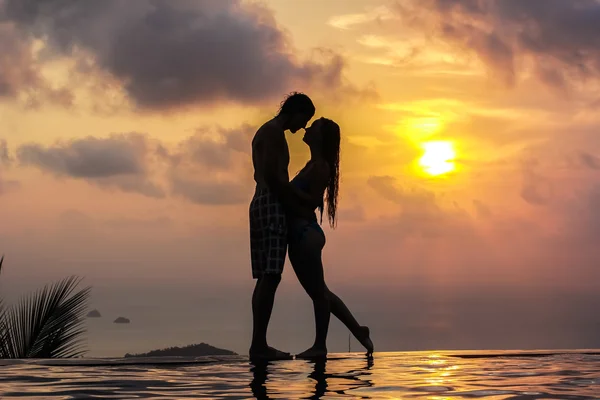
[
  {"x": 305, "y": 256},
  {"x": 341, "y": 312}
]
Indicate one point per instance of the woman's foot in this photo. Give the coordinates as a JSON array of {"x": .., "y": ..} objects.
[
  {"x": 313, "y": 353},
  {"x": 364, "y": 338},
  {"x": 268, "y": 354}
]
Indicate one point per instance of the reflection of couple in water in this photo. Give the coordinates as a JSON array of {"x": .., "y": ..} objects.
[
  {"x": 353, "y": 379},
  {"x": 282, "y": 216}
]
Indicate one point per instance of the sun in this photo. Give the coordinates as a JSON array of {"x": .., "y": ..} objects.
[{"x": 438, "y": 157}]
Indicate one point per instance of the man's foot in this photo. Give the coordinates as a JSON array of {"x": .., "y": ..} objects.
[
  {"x": 269, "y": 354},
  {"x": 364, "y": 339},
  {"x": 313, "y": 353}
]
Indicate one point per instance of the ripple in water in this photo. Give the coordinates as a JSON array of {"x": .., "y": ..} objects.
[{"x": 439, "y": 376}]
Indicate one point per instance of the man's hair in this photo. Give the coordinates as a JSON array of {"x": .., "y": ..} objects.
[{"x": 297, "y": 102}]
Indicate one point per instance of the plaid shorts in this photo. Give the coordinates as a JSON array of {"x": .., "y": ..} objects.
[{"x": 268, "y": 234}]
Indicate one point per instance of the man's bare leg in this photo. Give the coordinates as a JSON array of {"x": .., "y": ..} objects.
[{"x": 262, "y": 307}]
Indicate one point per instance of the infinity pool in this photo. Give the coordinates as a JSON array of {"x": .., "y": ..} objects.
[{"x": 416, "y": 375}]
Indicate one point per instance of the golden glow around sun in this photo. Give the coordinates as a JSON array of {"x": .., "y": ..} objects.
[
  {"x": 425, "y": 126},
  {"x": 438, "y": 157}
]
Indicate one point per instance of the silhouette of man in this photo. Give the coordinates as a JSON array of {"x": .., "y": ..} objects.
[{"x": 268, "y": 223}]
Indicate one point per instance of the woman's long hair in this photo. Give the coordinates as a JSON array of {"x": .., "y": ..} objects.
[{"x": 331, "y": 153}]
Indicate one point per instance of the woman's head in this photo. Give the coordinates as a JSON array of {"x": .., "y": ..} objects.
[{"x": 323, "y": 137}]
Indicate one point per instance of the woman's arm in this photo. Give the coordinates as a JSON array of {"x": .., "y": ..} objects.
[
  {"x": 277, "y": 180},
  {"x": 318, "y": 176}
]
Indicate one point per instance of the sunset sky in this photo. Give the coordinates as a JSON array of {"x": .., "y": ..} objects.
[{"x": 125, "y": 131}]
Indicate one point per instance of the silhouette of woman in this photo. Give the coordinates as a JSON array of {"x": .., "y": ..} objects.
[{"x": 320, "y": 179}]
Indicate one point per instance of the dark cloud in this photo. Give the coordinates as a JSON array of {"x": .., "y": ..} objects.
[
  {"x": 89, "y": 157},
  {"x": 211, "y": 167},
  {"x": 119, "y": 161},
  {"x": 170, "y": 53},
  {"x": 560, "y": 39}
]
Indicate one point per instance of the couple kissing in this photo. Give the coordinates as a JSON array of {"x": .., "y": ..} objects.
[{"x": 283, "y": 221}]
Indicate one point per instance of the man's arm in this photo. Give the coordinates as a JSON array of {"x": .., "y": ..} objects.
[
  {"x": 289, "y": 193},
  {"x": 276, "y": 178}
]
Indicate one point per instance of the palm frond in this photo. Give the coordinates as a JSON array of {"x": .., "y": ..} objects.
[
  {"x": 3, "y": 330},
  {"x": 48, "y": 323}
]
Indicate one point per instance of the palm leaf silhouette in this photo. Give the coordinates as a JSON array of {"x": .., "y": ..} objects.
[
  {"x": 3, "y": 330},
  {"x": 48, "y": 323}
]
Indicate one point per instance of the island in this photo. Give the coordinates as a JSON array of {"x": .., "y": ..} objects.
[
  {"x": 192, "y": 350},
  {"x": 94, "y": 314},
  {"x": 121, "y": 320}
]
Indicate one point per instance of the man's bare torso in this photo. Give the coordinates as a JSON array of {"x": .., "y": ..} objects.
[{"x": 269, "y": 141}]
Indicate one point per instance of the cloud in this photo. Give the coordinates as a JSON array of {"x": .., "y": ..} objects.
[
  {"x": 535, "y": 190},
  {"x": 159, "y": 222},
  {"x": 408, "y": 199},
  {"x": 557, "y": 41},
  {"x": 420, "y": 213},
  {"x": 6, "y": 185},
  {"x": 482, "y": 210},
  {"x": 447, "y": 240},
  {"x": 210, "y": 193},
  {"x": 349, "y": 21},
  {"x": 119, "y": 161},
  {"x": 355, "y": 213},
  {"x": 16, "y": 68},
  {"x": 9, "y": 185},
  {"x": 213, "y": 148},
  {"x": 81, "y": 223},
  {"x": 5, "y": 157},
  {"x": 170, "y": 54},
  {"x": 20, "y": 77},
  {"x": 211, "y": 167},
  {"x": 589, "y": 160}
]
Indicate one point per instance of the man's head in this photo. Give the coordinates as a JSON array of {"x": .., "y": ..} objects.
[{"x": 297, "y": 109}]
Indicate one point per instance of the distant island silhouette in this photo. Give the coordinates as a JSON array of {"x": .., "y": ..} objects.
[
  {"x": 192, "y": 350},
  {"x": 121, "y": 320},
  {"x": 94, "y": 314}
]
